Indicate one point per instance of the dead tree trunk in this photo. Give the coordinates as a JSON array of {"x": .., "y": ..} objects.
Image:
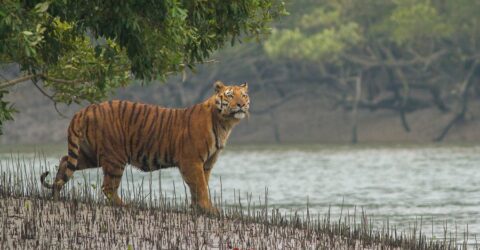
[
  {"x": 358, "y": 94},
  {"x": 460, "y": 116},
  {"x": 402, "y": 99}
]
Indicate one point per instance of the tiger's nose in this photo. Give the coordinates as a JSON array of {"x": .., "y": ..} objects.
[{"x": 240, "y": 105}]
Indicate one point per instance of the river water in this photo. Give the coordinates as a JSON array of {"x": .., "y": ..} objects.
[{"x": 437, "y": 185}]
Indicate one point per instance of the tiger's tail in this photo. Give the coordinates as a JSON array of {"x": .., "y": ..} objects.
[
  {"x": 44, "y": 183},
  {"x": 68, "y": 164}
]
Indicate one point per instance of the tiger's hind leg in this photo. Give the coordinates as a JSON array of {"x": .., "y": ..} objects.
[
  {"x": 112, "y": 176},
  {"x": 61, "y": 177}
]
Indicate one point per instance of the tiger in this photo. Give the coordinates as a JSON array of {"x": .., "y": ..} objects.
[{"x": 115, "y": 133}]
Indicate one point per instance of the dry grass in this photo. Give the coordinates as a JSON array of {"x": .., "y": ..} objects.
[{"x": 84, "y": 220}]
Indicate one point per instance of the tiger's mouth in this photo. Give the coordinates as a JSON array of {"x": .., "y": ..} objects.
[{"x": 238, "y": 114}]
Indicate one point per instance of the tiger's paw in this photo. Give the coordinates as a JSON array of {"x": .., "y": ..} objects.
[{"x": 206, "y": 210}]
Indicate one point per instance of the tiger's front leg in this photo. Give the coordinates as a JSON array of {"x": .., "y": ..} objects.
[
  {"x": 193, "y": 175},
  {"x": 112, "y": 176}
]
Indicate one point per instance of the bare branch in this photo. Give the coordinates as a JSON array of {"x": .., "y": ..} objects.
[
  {"x": 466, "y": 84},
  {"x": 12, "y": 82},
  {"x": 49, "y": 97}
]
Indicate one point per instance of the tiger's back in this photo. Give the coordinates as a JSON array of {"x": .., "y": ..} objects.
[{"x": 147, "y": 136}]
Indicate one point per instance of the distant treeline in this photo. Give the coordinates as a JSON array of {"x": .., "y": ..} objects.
[{"x": 400, "y": 55}]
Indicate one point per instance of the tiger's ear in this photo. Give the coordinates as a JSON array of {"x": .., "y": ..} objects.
[
  {"x": 244, "y": 85},
  {"x": 218, "y": 85}
]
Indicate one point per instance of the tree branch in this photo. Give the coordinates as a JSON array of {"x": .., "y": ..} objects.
[
  {"x": 43, "y": 76},
  {"x": 51, "y": 79},
  {"x": 12, "y": 82}
]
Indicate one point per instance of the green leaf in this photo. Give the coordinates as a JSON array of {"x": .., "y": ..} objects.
[
  {"x": 27, "y": 33},
  {"x": 42, "y": 7}
]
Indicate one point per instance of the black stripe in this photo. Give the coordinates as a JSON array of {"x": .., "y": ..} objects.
[
  {"x": 166, "y": 135},
  {"x": 119, "y": 109},
  {"x": 95, "y": 125},
  {"x": 70, "y": 166},
  {"x": 148, "y": 144},
  {"x": 142, "y": 129},
  {"x": 189, "y": 120},
  {"x": 145, "y": 165},
  {"x": 123, "y": 137},
  {"x": 72, "y": 122},
  {"x": 124, "y": 109},
  {"x": 87, "y": 124},
  {"x": 131, "y": 148},
  {"x": 141, "y": 108},
  {"x": 161, "y": 113},
  {"x": 110, "y": 127},
  {"x": 147, "y": 110},
  {"x": 152, "y": 125},
  {"x": 72, "y": 154},
  {"x": 173, "y": 146},
  {"x": 214, "y": 129},
  {"x": 170, "y": 135},
  {"x": 159, "y": 134},
  {"x": 130, "y": 119},
  {"x": 71, "y": 143},
  {"x": 72, "y": 130},
  {"x": 151, "y": 138},
  {"x": 140, "y": 152},
  {"x": 168, "y": 111}
]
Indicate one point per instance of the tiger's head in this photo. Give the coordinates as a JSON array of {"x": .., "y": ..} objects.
[{"x": 232, "y": 101}]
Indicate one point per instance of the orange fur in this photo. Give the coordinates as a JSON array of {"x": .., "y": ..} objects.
[{"x": 115, "y": 133}]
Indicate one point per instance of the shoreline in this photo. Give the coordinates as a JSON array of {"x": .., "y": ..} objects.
[
  {"x": 40, "y": 223},
  {"x": 37, "y": 222},
  {"x": 29, "y": 219}
]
